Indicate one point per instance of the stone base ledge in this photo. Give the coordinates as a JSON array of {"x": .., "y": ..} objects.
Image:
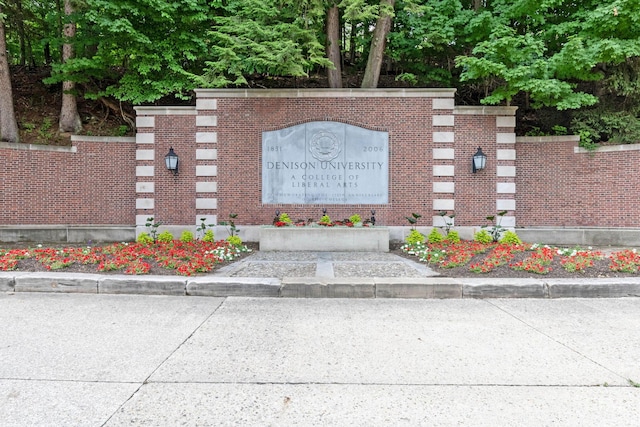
[
  {"x": 587, "y": 236},
  {"x": 67, "y": 233},
  {"x": 325, "y": 239}
]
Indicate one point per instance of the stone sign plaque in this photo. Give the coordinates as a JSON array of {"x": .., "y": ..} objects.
[{"x": 325, "y": 163}]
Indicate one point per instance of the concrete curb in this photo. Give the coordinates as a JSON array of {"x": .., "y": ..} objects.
[{"x": 313, "y": 287}]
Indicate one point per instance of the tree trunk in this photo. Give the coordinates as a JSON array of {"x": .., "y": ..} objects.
[
  {"x": 69, "y": 117},
  {"x": 333, "y": 47},
  {"x": 378, "y": 43},
  {"x": 21, "y": 33},
  {"x": 8, "y": 125}
]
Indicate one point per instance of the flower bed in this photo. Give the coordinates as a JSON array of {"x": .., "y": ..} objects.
[
  {"x": 128, "y": 258},
  {"x": 519, "y": 260}
]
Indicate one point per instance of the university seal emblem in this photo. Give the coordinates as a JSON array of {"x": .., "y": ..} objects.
[{"x": 325, "y": 146}]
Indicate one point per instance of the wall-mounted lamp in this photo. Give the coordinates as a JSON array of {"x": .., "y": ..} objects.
[
  {"x": 171, "y": 160},
  {"x": 479, "y": 160}
]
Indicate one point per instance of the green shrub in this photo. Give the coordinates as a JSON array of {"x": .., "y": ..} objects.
[
  {"x": 186, "y": 236},
  {"x": 208, "y": 236},
  {"x": 511, "y": 237},
  {"x": 354, "y": 219},
  {"x": 604, "y": 124},
  {"x": 285, "y": 218},
  {"x": 414, "y": 237},
  {"x": 165, "y": 237},
  {"x": 144, "y": 238},
  {"x": 435, "y": 236},
  {"x": 234, "y": 240},
  {"x": 453, "y": 237},
  {"x": 325, "y": 219},
  {"x": 483, "y": 236}
]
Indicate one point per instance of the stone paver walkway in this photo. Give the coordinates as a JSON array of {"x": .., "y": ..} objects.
[{"x": 325, "y": 265}]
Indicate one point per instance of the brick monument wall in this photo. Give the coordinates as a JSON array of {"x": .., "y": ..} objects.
[
  {"x": 540, "y": 182},
  {"x": 92, "y": 182},
  {"x": 563, "y": 186}
]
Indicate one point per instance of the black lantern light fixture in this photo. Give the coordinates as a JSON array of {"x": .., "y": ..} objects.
[
  {"x": 171, "y": 160},
  {"x": 479, "y": 160}
]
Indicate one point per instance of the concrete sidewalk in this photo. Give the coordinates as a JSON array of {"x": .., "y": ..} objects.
[
  {"x": 322, "y": 275},
  {"x": 123, "y": 360}
]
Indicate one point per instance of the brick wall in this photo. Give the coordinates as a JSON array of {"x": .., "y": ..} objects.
[
  {"x": 240, "y": 125},
  {"x": 119, "y": 181},
  {"x": 91, "y": 183},
  {"x": 559, "y": 185}
]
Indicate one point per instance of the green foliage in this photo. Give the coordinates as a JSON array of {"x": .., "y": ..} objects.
[
  {"x": 448, "y": 222},
  {"x": 555, "y": 130},
  {"x": 143, "y": 50},
  {"x": 483, "y": 236},
  {"x": 496, "y": 229},
  {"x": 325, "y": 219},
  {"x": 559, "y": 130},
  {"x": 284, "y": 217},
  {"x": 544, "y": 48},
  {"x": 152, "y": 225},
  {"x": 233, "y": 230},
  {"x": 518, "y": 62},
  {"x": 435, "y": 236},
  {"x": 203, "y": 227},
  {"x": 147, "y": 48},
  {"x": 208, "y": 236},
  {"x": 510, "y": 237},
  {"x": 165, "y": 237},
  {"x": 413, "y": 219},
  {"x": 453, "y": 237},
  {"x": 414, "y": 237},
  {"x": 586, "y": 140},
  {"x": 355, "y": 219},
  {"x": 121, "y": 130},
  {"x": 261, "y": 37},
  {"x": 234, "y": 240},
  {"x": 144, "y": 239},
  {"x": 602, "y": 124},
  {"x": 187, "y": 236}
]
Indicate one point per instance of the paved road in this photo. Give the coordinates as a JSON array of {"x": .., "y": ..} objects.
[{"x": 114, "y": 360}]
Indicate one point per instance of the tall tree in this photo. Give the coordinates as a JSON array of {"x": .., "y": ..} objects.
[
  {"x": 378, "y": 44},
  {"x": 264, "y": 37},
  {"x": 334, "y": 73},
  {"x": 8, "y": 125},
  {"x": 544, "y": 49},
  {"x": 69, "y": 117}
]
